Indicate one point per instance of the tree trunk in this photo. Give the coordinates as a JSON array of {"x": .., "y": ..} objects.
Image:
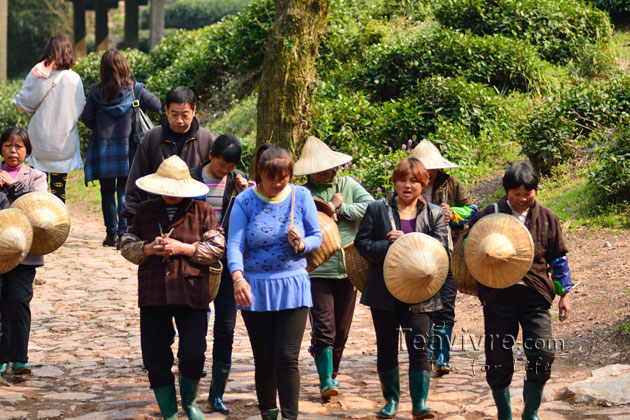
[
  {"x": 4, "y": 13},
  {"x": 289, "y": 74},
  {"x": 131, "y": 23},
  {"x": 156, "y": 22}
]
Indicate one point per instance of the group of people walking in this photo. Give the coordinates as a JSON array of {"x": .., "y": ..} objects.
[{"x": 175, "y": 204}]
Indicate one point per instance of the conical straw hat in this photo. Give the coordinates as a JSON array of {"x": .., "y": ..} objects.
[
  {"x": 430, "y": 156},
  {"x": 415, "y": 267},
  {"x": 317, "y": 157},
  {"x": 16, "y": 237},
  {"x": 464, "y": 281},
  {"x": 50, "y": 220},
  {"x": 172, "y": 179},
  {"x": 499, "y": 251}
]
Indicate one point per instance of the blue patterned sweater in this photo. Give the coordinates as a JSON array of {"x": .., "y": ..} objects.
[{"x": 258, "y": 246}]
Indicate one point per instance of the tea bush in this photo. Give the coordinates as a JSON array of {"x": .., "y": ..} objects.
[
  {"x": 9, "y": 115},
  {"x": 611, "y": 177},
  {"x": 560, "y": 30},
  {"x": 194, "y": 14}
]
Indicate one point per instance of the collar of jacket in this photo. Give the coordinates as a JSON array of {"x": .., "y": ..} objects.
[
  {"x": 391, "y": 201},
  {"x": 310, "y": 184},
  {"x": 166, "y": 129},
  {"x": 439, "y": 182}
]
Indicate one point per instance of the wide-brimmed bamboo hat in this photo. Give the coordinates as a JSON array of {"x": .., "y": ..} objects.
[
  {"x": 317, "y": 157},
  {"x": 49, "y": 217},
  {"x": 16, "y": 238},
  {"x": 427, "y": 153},
  {"x": 172, "y": 179},
  {"x": 499, "y": 250},
  {"x": 415, "y": 267}
]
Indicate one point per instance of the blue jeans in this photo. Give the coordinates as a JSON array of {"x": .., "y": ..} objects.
[
  {"x": 224, "y": 319},
  {"x": 115, "y": 224}
]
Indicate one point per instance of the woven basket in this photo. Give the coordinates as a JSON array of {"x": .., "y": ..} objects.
[
  {"x": 464, "y": 281},
  {"x": 331, "y": 242},
  {"x": 215, "y": 279},
  {"x": 357, "y": 267}
]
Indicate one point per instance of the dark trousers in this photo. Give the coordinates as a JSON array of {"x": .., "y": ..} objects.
[
  {"x": 276, "y": 337},
  {"x": 331, "y": 316},
  {"x": 112, "y": 188},
  {"x": 157, "y": 334},
  {"x": 224, "y": 319},
  {"x": 502, "y": 315},
  {"x": 16, "y": 296},
  {"x": 415, "y": 327},
  {"x": 57, "y": 184},
  {"x": 448, "y": 293}
]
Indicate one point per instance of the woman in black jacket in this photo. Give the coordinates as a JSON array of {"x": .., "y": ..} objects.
[
  {"x": 410, "y": 213},
  {"x": 108, "y": 112}
]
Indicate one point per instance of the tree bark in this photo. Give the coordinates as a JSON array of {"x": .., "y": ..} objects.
[
  {"x": 288, "y": 73},
  {"x": 156, "y": 22},
  {"x": 78, "y": 12},
  {"x": 101, "y": 31},
  {"x": 4, "y": 34},
  {"x": 131, "y": 23}
]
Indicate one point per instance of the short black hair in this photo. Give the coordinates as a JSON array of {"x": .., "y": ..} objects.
[
  {"x": 228, "y": 148},
  {"x": 520, "y": 173},
  {"x": 10, "y": 132},
  {"x": 181, "y": 95}
]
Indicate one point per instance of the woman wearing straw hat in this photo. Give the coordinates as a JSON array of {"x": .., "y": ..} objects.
[
  {"x": 272, "y": 228},
  {"x": 17, "y": 179},
  {"x": 173, "y": 238},
  {"x": 409, "y": 212},
  {"x": 333, "y": 295},
  {"x": 447, "y": 192},
  {"x": 527, "y": 302}
]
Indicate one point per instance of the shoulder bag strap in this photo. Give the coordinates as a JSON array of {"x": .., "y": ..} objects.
[
  {"x": 496, "y": 207},
  {"x": 135, "y": 103},
  {"x": 390, "y": 212},
  {"x": 54, "y": 83},
  {"x": 292, "y": 205}
]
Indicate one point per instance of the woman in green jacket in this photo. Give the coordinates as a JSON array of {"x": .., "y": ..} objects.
[{"x": 333, "y": 295}]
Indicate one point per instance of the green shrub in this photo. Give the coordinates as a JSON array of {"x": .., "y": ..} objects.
[
  {"x": 393, "y": 68},
  {"x": 560, "y": 29},
  {"x": 9, "y": 115},
  {"x": 194, "y": 14},
  {"x": 619, "y": 10},
  {"x": 611, "y": 177}
]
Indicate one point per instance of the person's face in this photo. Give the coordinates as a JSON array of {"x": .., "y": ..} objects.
[
  {"x": 271, "y": 187},
  {"x": 432, "y": 175},
  {"x": 219, "y": 167},
  {"x": 180, "y": 116},
  {"x": 408, "y": 189},
  {"x": 323, "y": 176},
  {"x": 14, "y": 152},
  {"x": 520, "y": 198},
  {"x": 171, "y": 200}
]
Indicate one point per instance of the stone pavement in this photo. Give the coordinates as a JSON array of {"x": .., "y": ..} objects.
[{"x": 85, "y": 349}]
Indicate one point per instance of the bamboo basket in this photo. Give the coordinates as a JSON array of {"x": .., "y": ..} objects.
[
  {"x": 357, "y": 267},
  {"x": 464, "y": 281},
  {"x": 331, "y": 242},
  {"x": 215, "y": 279}
]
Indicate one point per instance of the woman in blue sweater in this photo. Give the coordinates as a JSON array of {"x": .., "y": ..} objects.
[{"x": 272, "y": 228}]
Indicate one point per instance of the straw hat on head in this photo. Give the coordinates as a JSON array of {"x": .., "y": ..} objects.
[
  {"x": 172, "y": 179},
  {"x": 317, "y": 157},
  {"x": 427, "y": 153},
  {"x": 16, "y": 237},
  {"x": 415, "y": 267},
  {"x": 50, "y": 220},
  {"x": 499, "y": 251}
]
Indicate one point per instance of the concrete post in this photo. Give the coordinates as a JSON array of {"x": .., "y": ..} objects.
[
  {"x": 78, "y": 11},
  {"x": 4, "y": 12},
  {"x": 101, "y": 32},
  {"x": 156, "y": 18},
  {"x": 131, "y": 23}
]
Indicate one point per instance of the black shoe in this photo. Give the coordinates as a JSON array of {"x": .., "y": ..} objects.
[{"x": 110, "y": 241}]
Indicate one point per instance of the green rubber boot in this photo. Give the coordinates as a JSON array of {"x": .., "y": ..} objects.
[
  {"x": 323, "y": 361},
  {"x": 532, "y": 394},
  {"x": 502, "y": 401},
  {"x": 20, "y": 368},
  {"x": 4, "y": 367},
  {"x": 220, "y": 373},
  {"x": 166, "y": 397},
  {"x": 419, "y": 388},
  {"x": 390, "y": 385},
  {"x": 188, "y": 390},
  {"x": 269, "y": 414},
  {"x": 442, "y": 347}
]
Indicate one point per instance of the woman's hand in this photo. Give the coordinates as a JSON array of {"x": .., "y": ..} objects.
[
  {"x": 337, "y": 200},
  {"x": 174, "y": 247},
  {"x": 154, "y": 248},
  {"x": 448, "y": 214},
  {"x": 242, "y": 289},
  {"x": 240, "y": 183},
  {"x": 394, "y": 234},
  {"x": 5, "y": 178},
  {"x": 295, "y": 239},
  {"x": 564, "y": 307}
]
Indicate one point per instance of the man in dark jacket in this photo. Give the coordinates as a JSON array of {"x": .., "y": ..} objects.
[
  {"x": 224, "y": 182},
  {"x": 180, "y": 134}
]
